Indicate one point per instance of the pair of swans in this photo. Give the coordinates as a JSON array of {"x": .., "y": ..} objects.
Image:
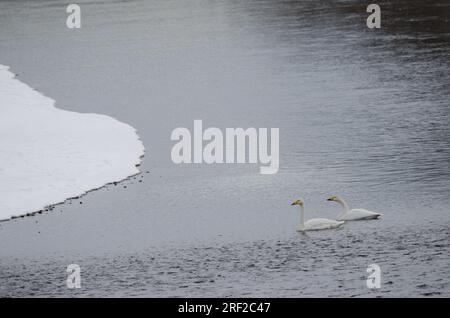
[{"x": 347, "y": 214}]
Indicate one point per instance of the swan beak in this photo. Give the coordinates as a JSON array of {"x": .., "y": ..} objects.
[{"x": 333, "y": 198}]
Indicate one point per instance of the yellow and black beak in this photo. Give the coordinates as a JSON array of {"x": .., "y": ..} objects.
[
  {"x": 333, "y": 198},
  {"x": 296, "y": 202}
]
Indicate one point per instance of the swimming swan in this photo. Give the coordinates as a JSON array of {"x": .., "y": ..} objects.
[
  {"x": 353, "y": 214},
  {"x": 314, "y": 224}
]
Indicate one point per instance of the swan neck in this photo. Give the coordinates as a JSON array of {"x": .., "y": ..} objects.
[
  {"x": 302, "y": 217},
  {"x": 344, "y": 205}
]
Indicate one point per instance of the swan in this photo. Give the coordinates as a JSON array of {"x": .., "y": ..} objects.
[
  {"x": 314, "y": 224},
  {"x": 353, "y": 214}
]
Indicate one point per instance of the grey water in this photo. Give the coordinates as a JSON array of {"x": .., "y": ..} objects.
[{"x": 362, "y": 113}]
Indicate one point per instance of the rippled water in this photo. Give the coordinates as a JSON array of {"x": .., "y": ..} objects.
[
  {"x": 362, "y": 113},
  {"x": 327, "y": 265}
]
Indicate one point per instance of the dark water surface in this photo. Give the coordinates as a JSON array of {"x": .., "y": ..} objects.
[{"x": 362, "y": 113}]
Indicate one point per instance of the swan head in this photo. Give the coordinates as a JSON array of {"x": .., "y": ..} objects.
[
  {"x": 333, "y": 198},
  {"x": 297, "y": 202}
]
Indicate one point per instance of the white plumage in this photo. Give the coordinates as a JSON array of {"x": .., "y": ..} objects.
[
  {"x": 314, "y": 224},
  {"x": 348, "y": 214}
]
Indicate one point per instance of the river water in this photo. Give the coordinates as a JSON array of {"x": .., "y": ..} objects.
[{"x": 362, "y": 113}]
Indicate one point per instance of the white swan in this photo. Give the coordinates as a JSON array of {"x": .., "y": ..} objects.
[
  {"x": 314, "y": 224},
  {"x": 353, "y": 214}
]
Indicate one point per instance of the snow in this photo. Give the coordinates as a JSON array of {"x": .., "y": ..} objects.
[{"x": 48, "y": 155}]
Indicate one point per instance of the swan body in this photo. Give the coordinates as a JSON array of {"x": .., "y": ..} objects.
[
  {"x": 314, "y": 224},
  {"x": 320, "y": 224},
  {"x": 358, "y": 214},
  {"x": 348, "y": 214}
]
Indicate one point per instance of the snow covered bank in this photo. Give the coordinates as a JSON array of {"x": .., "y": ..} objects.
[{"x": 48, "y": 155}]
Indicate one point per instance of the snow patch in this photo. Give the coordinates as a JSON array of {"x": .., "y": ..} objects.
[{"x": 48, "y": 155}]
